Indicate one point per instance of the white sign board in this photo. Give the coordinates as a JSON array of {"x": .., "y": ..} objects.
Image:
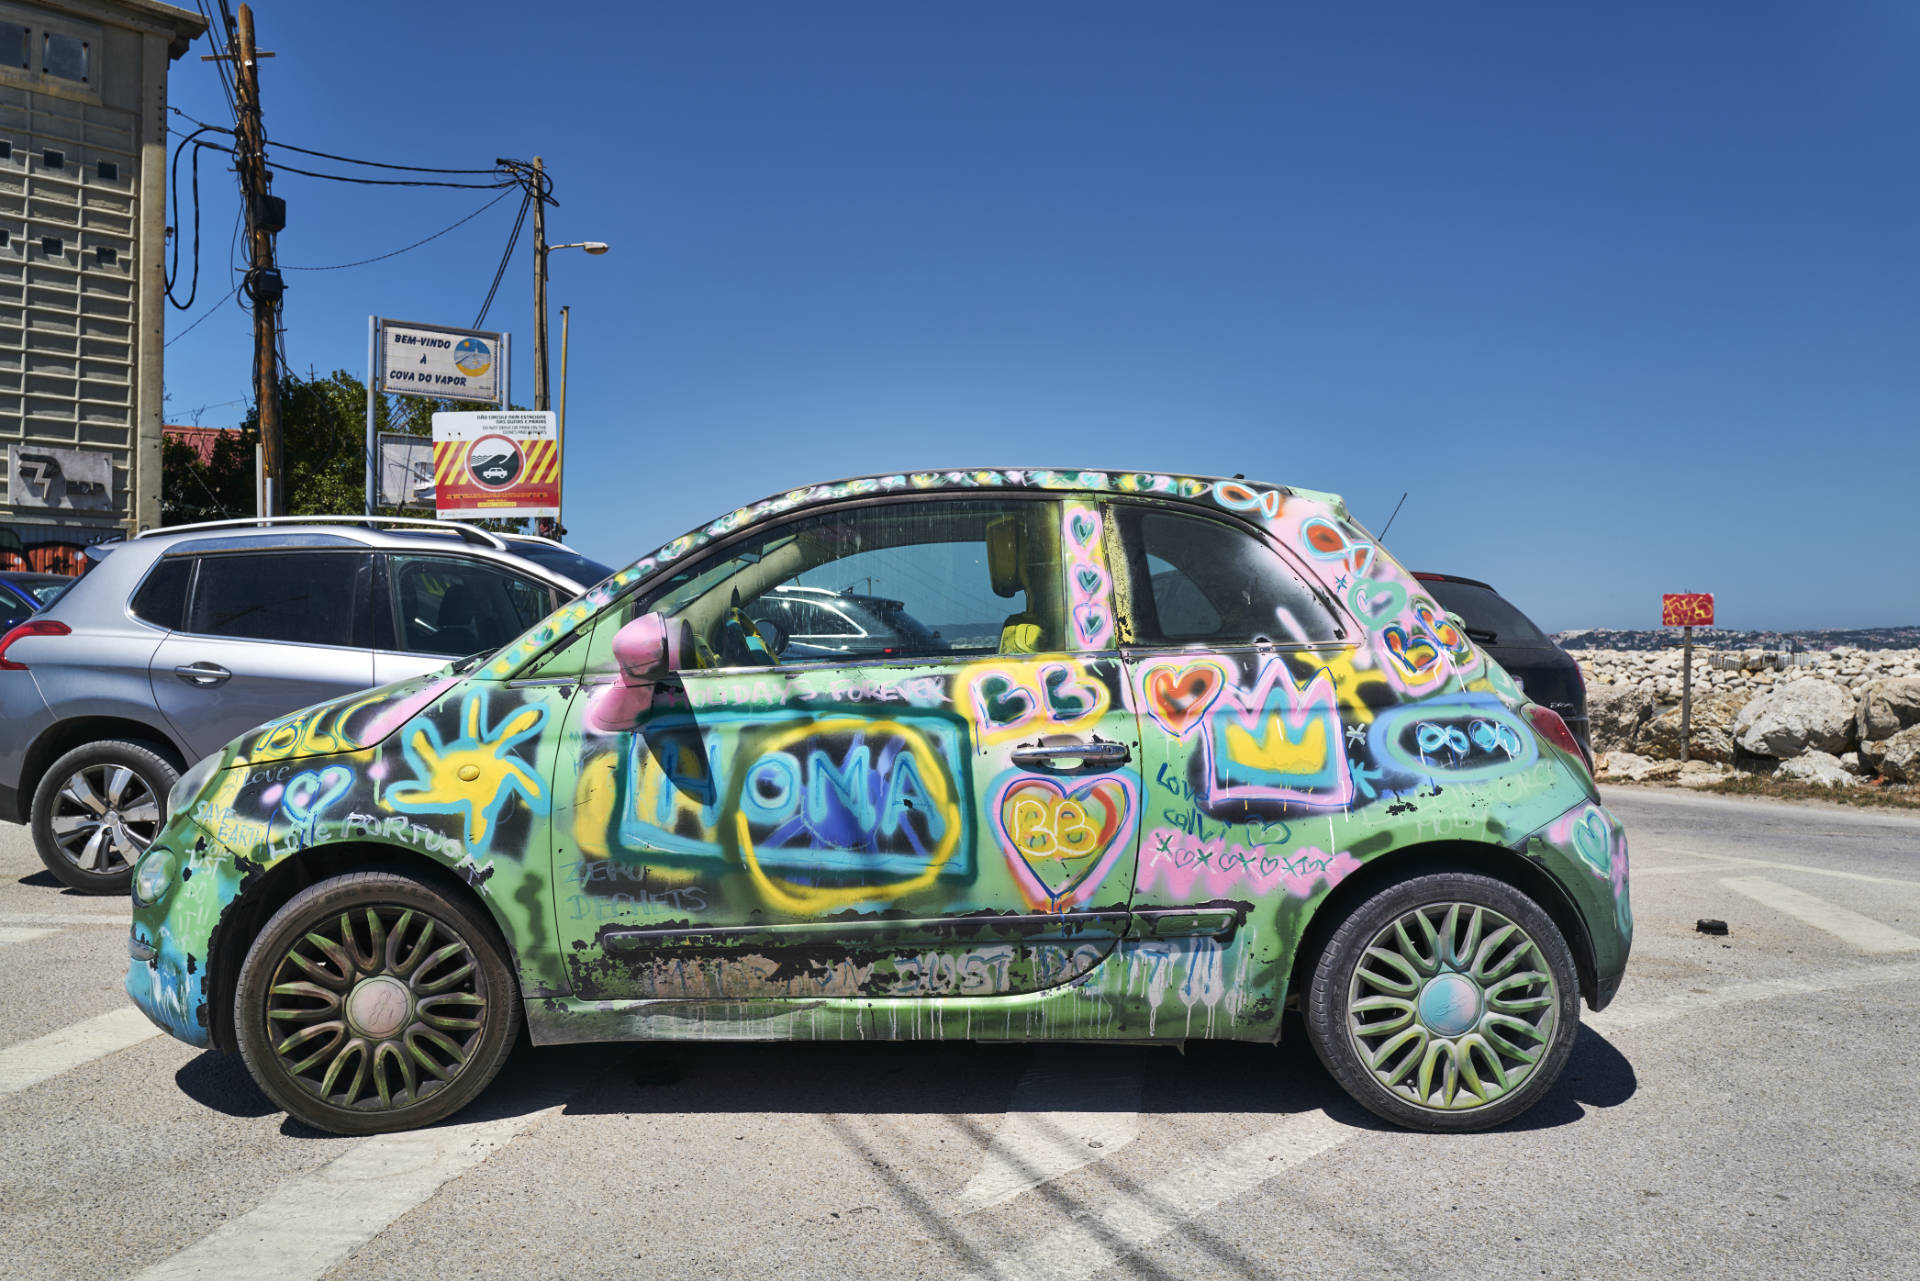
[
  {"x": 434, "y": 360},
  {"x": 406, "y": 470},
  {"x": 504, "y": 463},
  {"x": 70, "y": 479}
]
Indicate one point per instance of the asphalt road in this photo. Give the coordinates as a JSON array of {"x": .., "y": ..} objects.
[{"x": 1746, "y": 1108}]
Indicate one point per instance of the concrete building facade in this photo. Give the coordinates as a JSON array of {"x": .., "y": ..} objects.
[{"x": 83, "y": 222}]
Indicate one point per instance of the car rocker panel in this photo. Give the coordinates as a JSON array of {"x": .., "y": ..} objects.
[{"x": 887, "y": 850}]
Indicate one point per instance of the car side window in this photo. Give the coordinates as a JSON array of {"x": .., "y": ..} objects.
[
  {"x": 454, "y": 606},
  {"x": 881, "y": 581},
  {"x": 162, "y": 598},
  {"x": 12, "y": 609},
  {"x": 1200, "y": 581},
  {"x": 304, "y": 598}
]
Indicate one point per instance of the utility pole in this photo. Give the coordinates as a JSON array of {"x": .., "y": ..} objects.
[
  {"x": 265, "y": 216},
  {"x": 540, "y": 285}
]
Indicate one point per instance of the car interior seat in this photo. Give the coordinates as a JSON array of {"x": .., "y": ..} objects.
[{"x": 1013, "y": 571}]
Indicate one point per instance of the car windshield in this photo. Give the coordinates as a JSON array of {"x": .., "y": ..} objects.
[
  {"x": 1490, "y": 617},
  {"x": 561, "y": 560}
]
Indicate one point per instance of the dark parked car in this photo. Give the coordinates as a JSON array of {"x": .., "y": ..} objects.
[
  {"x": 22, "y": 594},
  {"x": 1546, "y": 672}
]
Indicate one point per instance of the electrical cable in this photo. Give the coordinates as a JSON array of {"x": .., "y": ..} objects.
[
  {"x": 173, "y": 268},
  {"x": 379, "y": 164},
  {"x": 341, "y": 266},
  {"x": 203, "y": 316},
  {"x": 513, "y": 239},
  {"x": 393, "y": 182}
]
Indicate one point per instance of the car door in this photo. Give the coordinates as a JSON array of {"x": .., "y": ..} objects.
[
  {"x": 946, "y": 808},
  {"x": 264, "y": 633},
  {"x": 432, "y": 607},
  {"x": 1244, "y": 679}
]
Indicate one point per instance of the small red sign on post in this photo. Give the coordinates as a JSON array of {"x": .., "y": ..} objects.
[{"x": 1686, "y": 609}]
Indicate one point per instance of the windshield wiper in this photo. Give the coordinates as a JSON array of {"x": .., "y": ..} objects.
[{"x": 470, "y": 662}]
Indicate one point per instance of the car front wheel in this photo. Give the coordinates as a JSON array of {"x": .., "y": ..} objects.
[
  {"x": 97, "y": 809},
  {"x": 1445, "y": 1002},
  {"x": 375, "y": 1002}
]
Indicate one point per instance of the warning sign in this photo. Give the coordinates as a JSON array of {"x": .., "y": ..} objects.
[{"x": 503, "y": 463}]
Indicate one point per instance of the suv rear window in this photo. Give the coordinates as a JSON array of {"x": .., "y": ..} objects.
[
  {"x": 1491, "y": 618},
  {"x": 308, "y": 598},
  {"x": 162, "y": 599}
]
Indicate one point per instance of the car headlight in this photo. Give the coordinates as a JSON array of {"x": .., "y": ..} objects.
[
  {"x": 191, "y": 782},
  {"x": 152, "y": 876}
]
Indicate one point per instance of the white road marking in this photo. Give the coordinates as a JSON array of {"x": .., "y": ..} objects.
[
  {"x": 1128, "y": 1221},
  {"x": 1061, "y": 1118},
  {"x": 1641, "y": 873},
  {"x": 1862, "y": 932},
  {"x": 1737, "y": 861},
  {"x": 32, "y": 1062},
  {"x": 1638, "y": 1013},
  {"x": 312, "y": 1223},
  {"x": 15, "y": 934}
]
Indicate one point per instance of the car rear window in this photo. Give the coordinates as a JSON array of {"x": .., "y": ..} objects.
[
  {"x": 1486, "y": 611},
  {"x": 308, "y": 598}
]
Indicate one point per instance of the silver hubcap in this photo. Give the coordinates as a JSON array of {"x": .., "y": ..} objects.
[
  {"x": 1452, "y": 1007},
  {"x": 104, "y": 817}
]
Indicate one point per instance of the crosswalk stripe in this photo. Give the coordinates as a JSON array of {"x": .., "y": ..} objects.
[
  {"x": 32, "y": 1062},
  {"x": 122, "y": 920},
  {"x": 1128, "y": 1221},
  {"x": 310, "y": 1224},
  {"x": 1061, "y": 1117},
  {"x": 1637, "y": 1013},
  {"x": 16, "y": 934},
  {"x": 1862, "y": 932},
  {"x": 1835, "y": 873}
]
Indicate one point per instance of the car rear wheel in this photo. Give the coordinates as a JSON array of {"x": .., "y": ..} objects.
[
  {"x": 1445, "y": 1002},
  {"x": 97, "y": 809},
  {"x": 375, "y": 1002}
]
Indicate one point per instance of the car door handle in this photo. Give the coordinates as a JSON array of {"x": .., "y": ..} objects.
[
  {"x": 203, "y": 674},
  {"x": 1105, "y": 755}
]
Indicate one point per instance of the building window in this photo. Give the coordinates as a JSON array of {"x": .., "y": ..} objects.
[
  {"x": 6, "y": 237},
  {"x": 51, "y": 159},
  {"x": 13, "y": 45},
  {"x": 52, "y": 246},
  {"x": 6, "y": 151},
  {"x": 107, "y": 171},
  {"x": 106, "y": 257},
  {"x": 64, "y": 57}
]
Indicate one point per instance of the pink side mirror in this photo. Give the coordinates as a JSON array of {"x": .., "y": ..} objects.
[{"x": 647, "y": 650}]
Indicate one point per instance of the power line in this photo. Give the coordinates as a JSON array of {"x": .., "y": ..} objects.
[
  {"x": 203, "y": 316},
  {"x": 513, "y": 239},
  {"x": 379, "y": 164},
  {"x": 341, "y": 266},
  {"x": 395, "y": 182},
  {"x": 173, "y": 269}
]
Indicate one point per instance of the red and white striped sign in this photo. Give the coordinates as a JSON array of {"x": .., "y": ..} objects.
[{"x": 496, "y": 463}]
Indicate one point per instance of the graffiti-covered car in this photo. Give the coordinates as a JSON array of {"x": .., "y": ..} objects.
[{"x": 1186, "y": 753}]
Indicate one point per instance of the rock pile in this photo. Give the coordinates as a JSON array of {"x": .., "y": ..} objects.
[{"x": 1834, "y": 718}]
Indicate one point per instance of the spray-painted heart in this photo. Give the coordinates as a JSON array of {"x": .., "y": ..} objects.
[
  {"x": 1082, "y": 528},
  {"x": 1090, "y": 621},
  {"x": 1591, "y": 839},
  {"x": 1414, "y": 652},
  {"x": 311, "y": 794},
  {"x": 1441, "y": 629},
  {"x": 1062, "y": 840},
  {"x": 1089, "y": 578},
  {"x": 1178, "y": 698},
  {"x": 1375, "y": 601}
]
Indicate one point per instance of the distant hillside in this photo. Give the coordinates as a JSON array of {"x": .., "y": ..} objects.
[{"x": 1727, "y": 638}]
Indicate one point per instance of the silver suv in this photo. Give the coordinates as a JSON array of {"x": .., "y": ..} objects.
[{"x": 179, "y": 639}]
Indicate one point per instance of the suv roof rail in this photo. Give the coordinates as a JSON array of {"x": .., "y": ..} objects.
[{"x": 469, "y": 533}]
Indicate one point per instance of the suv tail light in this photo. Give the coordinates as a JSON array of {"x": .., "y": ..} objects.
[
  {"x": 32, "y": 627},
  {"x": 1548, "y": 723}
]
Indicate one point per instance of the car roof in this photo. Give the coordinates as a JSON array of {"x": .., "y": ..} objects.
[{"x": 33, "y": 576}]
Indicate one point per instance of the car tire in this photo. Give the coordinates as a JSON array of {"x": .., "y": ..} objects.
[
  {"x": 1446, "y": 1002},
  {"x": 374, "y": 1002},
  {"x": 97, "y": 809}
]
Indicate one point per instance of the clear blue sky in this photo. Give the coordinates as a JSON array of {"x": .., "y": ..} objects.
[{"x": 1627, "y": 298}]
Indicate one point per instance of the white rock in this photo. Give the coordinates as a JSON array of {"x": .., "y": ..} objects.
[{"x": 1820, "y": 768}]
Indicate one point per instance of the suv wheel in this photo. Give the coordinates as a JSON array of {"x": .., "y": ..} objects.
[
  {"x": 1446, "y": 1002},
  {"x": 96, "y": 811},
  {"x": 374, "y": 1002}
]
